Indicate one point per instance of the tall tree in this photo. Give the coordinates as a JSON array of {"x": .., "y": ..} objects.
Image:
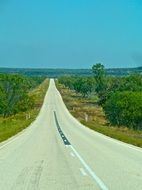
[
  {"x": 99, "y": 74},
  {"x": 100, "y": 77}
]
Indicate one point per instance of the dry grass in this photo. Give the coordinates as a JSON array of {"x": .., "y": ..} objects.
[{"x": 82, "y": 108}]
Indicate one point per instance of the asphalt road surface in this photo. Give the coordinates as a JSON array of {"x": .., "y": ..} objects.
[{"x": 58, "y": 153}]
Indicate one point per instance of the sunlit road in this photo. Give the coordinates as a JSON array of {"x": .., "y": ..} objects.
[{"x": 57, "y": 153}]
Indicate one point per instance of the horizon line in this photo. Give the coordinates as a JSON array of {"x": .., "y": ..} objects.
[{"x": 59, "y": 68}]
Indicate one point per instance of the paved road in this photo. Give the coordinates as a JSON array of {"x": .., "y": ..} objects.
[{"x": 57, "y": 153}]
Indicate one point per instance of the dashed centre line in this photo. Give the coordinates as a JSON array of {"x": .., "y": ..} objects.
[
  {"x": 83, "y": 172},
  {"x": 65, "y": 140},
  {"x": 72, "y": 154},
  {"x": 85, "y": 165}
]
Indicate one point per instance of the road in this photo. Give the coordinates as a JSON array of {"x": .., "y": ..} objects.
[{"x": 58, "y": 153}]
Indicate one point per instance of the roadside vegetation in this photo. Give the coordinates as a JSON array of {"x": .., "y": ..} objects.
[
  {"x": 110, "y": 105},
  {"x": 21, "y": 98}
]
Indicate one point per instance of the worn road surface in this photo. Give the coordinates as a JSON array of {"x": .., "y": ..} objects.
[{"x": 57, "y": 153}]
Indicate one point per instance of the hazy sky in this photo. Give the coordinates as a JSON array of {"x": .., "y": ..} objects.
[{"x": 70, "y": 33}]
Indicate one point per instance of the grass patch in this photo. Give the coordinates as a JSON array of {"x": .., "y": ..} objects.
[
  {"x": 14, "y": 124},
  {"x": 91, "y": 115}
]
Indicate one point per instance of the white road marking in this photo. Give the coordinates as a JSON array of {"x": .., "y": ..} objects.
[
  {"x": 139, "y": 149},
  {"x": 10, "y": 141},
  {"x": 83, "y": 172},
  {"x": 91, "y": 172},
  {"x": 15, "y": 137},
  {"x": 72, "y": 154},
  {"x": 120, "y": 142}
]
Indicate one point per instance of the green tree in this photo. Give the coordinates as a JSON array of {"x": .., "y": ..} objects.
[
  {"x": 100, "y": 78},
  {"x": 84, "y": 85},
  {"x": 13, "y": 90},
  {"x": 125, "y": 108}
]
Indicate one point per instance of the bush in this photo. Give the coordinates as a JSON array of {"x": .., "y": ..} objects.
[
  {"x": 125, "y": 108},
  {"x": 14, "y": 91}
]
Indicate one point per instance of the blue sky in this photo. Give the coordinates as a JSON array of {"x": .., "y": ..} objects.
[{"x": 70, "y": 33}]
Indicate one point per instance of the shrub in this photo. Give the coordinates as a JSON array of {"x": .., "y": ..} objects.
[{"x": 125, "y": 108}]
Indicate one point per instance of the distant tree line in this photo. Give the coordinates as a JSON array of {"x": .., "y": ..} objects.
[
  {"x": 14, "y": 91},
  {"x": 82, "y": 85},
  {"x": 55, "y": 73},
  {"x": 120, "y": 97}
]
